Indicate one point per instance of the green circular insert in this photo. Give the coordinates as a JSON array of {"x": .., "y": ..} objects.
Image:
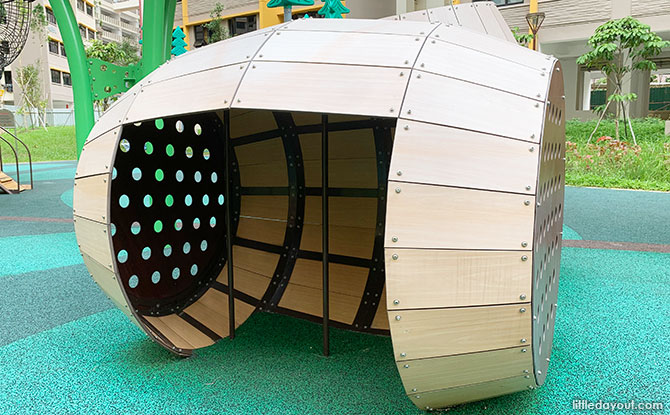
[
  {"x": 159, "y": 175},
  {"x": 158, "y": 226},
  {"x": 169, "y": 150}
]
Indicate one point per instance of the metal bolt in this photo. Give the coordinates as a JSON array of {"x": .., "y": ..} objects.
[
  {"x": 398, "y": 190},
  {"x": 398, "y": 318},
  {"x": 539, "y": 372},
  {"x": 527, "y": 202},
  {"x": 399, "y": 173},
  {"x": 532, "y": 148},
  {"x": 403, "y": 354},
  {"x": 418, "y": 396},
  {"x": 418, "y": 76},
  {"x": 402, "y": 73},
  {"x": 522, "y": 296},
  {"x": 406, "y": 366},
  {"x": 394, "y": 239},
  {"x": 522, "y": 310},
  {"x": 528, "y": 187},
  {"x": 527, "y": 377},
  {"x": 409, "y": 111},
  {"x": 523, "y": 340},
  {"x": 524, "y": 259},
  {"x": 524, "y": 244},
  {"x": 526, "y": 371},
  {"x": 394, "y": 256},
  {"x": 523, "y": 350},
  {"x": 406, "y": 127},
  {"x": 396, "y": 302},
  {"x": 537, "y": 105},
  {"x": 413, "y": 389},
  {"x": 548, "y": 359},
  {"x": 392, "y": 110}
]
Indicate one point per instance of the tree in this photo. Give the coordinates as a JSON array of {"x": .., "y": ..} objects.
[
  {"x": 178, "y": 44},
  {"x": 215, "y": 27},
  {"x": 28, "y": 80},
  {"x": 333, "y": 9},
  {"x": 287, "y": 5},
  {"x": 620, "y": 47},
  {"x": 522, "y": 39},
  {"x": 38, "y": 21},
  {"x": 122, "y": 54}
]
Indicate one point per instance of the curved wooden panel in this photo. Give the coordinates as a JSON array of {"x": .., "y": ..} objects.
[
  {"x": 487, "y": 14},
  {"x": 97, "y": 155},
  {"x": 467, "y": 17},
  {"x": 417, "y": 16},
  {"x": 444, "y": 15},
  {"x": 115, "y": 115},
  {"x": 361, "y": 26},
  {"x": 94, "y": 240}
]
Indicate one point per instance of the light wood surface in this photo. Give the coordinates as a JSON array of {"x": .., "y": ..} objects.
[
  {"x": 262, "y": 230},
  {"x": 450, "y": 331},
  {"x": 416, "y": 16},
  {"x": 264, "y": 175},
  {"x": 310, "y": 301},
  {"x": 447, "y": 372},
  {"x": 109, "y": 284},
  {"x": 212, "y": 311},
  {"x": 181, "y": 333},
  {"x": 360, "y": 26},
  {"x": 468, "y": 17},
  {"x": 263, "y": 152},
  {"x": 248, "y": 282},
  {"x": 343, "y": 279},
  {"x": 381, "y": 320},
  {"x": 430, "y": 154},
  {"x": 97, "y": 155},
  {"x": 358, "y": 212},
  {"x": 443, "y": 15},
  {"x": 247, "y": 122},
  {"x": 423, "y": 216},
  {"x": 91, "y": 197},
  {"x": 94, "y": 241},
  {"x": 351, "y": 173},
  {"x": 349, "y": 144},
  {"x": 487, "y": 14},
  {"x": 426, "y": 278},
  {"x": 344, "y": 240},
  {"x": 269, "y": 207},
  {"x": 115, "y": 114},
  {"x": 259, "y": 262}
]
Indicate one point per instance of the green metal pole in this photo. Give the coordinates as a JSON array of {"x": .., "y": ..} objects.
[
  {"x": 153, "y": 35},
  {"x": 84, "y": 116},
  {"x": 170, "y": 7}
]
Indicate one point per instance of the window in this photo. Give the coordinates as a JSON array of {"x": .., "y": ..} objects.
[
  {"x": 199, "y": 36},
  {"x": 89, "y": 9},
  {"x": 62, "y": 50},
  {"x": 50, "y": 17},
  {"x": 240, "y": 25},
  {"x": 53, "y": 46},
  {"x": 55, "y": 76},
  {"x": 67, "y": 79},
  {"x": 504, "y": 2},
  {"x": 91, "y": 34},
  {"x": 8, "y": 81},
  {"x": 82, "y": 30},
  {"x": 80, "y": 5}
]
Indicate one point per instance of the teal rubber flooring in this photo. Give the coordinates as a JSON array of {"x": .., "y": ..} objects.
[{"x": 65, "y": 349}]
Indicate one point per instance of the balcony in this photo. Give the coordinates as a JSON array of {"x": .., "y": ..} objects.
[
  {"x": 129, "y": 26},
  {"x": 110, "y": 20},
  {"x": 107, "y": 35}
]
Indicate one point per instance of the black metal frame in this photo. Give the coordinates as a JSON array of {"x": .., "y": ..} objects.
[{"x": 324, "y": 233}]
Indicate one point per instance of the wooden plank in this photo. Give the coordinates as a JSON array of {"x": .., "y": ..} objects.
[
  {"x": 463, "y": 105},
  {"x": 262, "y": 230},
  {"x": 248, "y": 122},
  {"x": 422, "y": 278},
  {"x": 445, "y": 58},
  {"x": 381, "y": 320},
  {"x": 486, "y": 12},
  {"x": 449, "y": 331},
  {"x": 248, "y": 282},
  {"x": 308, "y": 300},
  {"x": 264, "y": 175},
  {"x": 97, "y": 155},
  {"x": 423, "y": 216},
  {"x": 444, "y": 15},
  {"x": 379, "y": 90},
  {"x": 200, "y": 91},
  {"x": 509, "y": 36},
  {"x": 467, "y": 17},
  {"x": 91, "y": 197},
  {"x": 344, "y": 279},
  {"x": 359, "y": 212},
  {"x": 346, "y": 173},
  {"x": 263, "y": 152},
  {"x": 259, "y": 262},
  {"x": 94, "y": 241},
  {"x": 109, "y": 284},
  {"x": 115, "y": 114},
  {"x": 360, "y": 26},
  {"x": 342, "y": 48},
  {"x": 475, "y": 392},
  {"x": 268, "y": 207},
  {"x": 448, "y": 372},
  {"x": 416, "y": 16},
  {"x": 182, "y": 334},
  {"x": 431, "y": 154},
  {"x": 348, "y": 241},
  {"x": 350, "y": 144},
  {"x": 212, "y": 311}
]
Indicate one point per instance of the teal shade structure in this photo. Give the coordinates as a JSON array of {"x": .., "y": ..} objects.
[
  {"x": 333, "y": 9},
  {"x": 178, "y": 43}
]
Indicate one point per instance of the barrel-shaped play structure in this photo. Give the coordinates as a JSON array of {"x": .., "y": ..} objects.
[{"x": 445, "y": 196}]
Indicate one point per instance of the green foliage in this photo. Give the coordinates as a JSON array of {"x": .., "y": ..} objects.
[
  {"x": 27, "y": 78},
  {"x": 58, "y": 143},
  {"x": 38, "y": 20},
  {"x": 522, "y": 39},
  {"x": 333, "y": 9},
  {"x": 216, "y": 27},
  {"x": 618, "y": 164},
  {"x": 123, "y": 54}
]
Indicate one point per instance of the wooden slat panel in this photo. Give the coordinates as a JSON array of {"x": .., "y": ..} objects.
[
  {"x": 467, "y": 17},
  {"x": 247, "y": 122},
  {"x": 509, "y": 36},
  {"x": 423, "y": 216},
  {"x": 360, "y": 25},
  {"x": 472, "y": 107},
  {"x": 212, "y": 311},
  {"x": 93, "y": 239},
  {"x": 354, "y": 242},
  {"x": 445, "y": 58},
  {"x": 91, "y": 197},
  {"x": 179, "y": 332},
  {"x": 270, "y": 207},
  {"x": 449, "y": 331},
  {"x": 359, "y": 212},
  {"x": 264, "y": 152},
  {"x": 443, "y": 15},
  {"x": 422, "y": 278},
  {"x": 351, "y": 173},
  {"x": 381, "y": 320},
  {"x": 264, "y": 175},
  {"x": 378, "y": 90},
  {"x": 201, "y": 91},
  {"x": 341, "y": 48},
  {"x": 426, "y": 153},
  {"x": 476, "y": 392},
  {"x": 247, "y": 282},
  {"x": 96, "y": 156},
  {"x": 259, "y": 262},
  {"x": 486, "y": 12},
  {"x": 115, "y": 115},
  {"x": 447, "y": 372},
  {"x": 417, "y": 16},
  {"x": 308, "y": 300},
  {"x": 351, "y": 144},
  {"x": 343, "y": 279},
  {"x": 268, "y": 231},
  {"x": 107, "y": 281}
]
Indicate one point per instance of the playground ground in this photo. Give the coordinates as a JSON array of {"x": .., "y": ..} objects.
[{"x": 64, "y": 348}]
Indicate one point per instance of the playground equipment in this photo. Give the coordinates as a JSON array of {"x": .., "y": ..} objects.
[
  {"x": 441, "y": 152},
  {"x": 14, "y": 25},
  {"x": 7, "y": 183}
]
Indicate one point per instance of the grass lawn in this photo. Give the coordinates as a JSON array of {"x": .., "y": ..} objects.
[
  {"x": 58, "y": 143},
  {"x": 608, "y": 163}
]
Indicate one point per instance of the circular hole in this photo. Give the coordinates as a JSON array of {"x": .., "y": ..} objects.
[
  {"x": 155, "y": 277},
  {"x": 178, "y": 224},
  {"x": 197, "y": 176},
  {"x": 124, "y": 145},
  {"x": 179, "y": 126},
  {"x": 206, "y": 154},
  {"x": 124, "y": 201},
  {"x": 122, "y": 256},
  {"x": 146, "y": 253},
  {"x": 169, "y": 200},
  {"x": 198, "y": 129},
  {"x": 133, "y": 281},
  {"x": 148, "y": 201},
  {"x": 113, "y": 228},
  {"x": 158, "y": 226},
  {"x": 196, "y": 223},
  {"x": 159, "y": 123},
  {"x": 220, "y": 199},
  {"x": 205, "y": 200},
  {"x": 135, "y": 228},
  {"x": 175, "y": 273},
  {"x": 187, "y": 247},
  {"x": 212, "y": 221},
  {"x": 159, "y": 175},
  {"x": 179, "y": 176},
  {"x": 188, "y": 200},
  {"x": 148, "y": 148},
  {"x": 189, "y": 152},
  {"x": 215, "y": 177},
  {"x": 203, "y": 246},
  {"x": 169, "y": 150},
  {"x": 137, "y": 173},
  {"x": 113, "y": 173},
  {"x": 194, "y": 269},
  {"x": 167, "y": 250}
]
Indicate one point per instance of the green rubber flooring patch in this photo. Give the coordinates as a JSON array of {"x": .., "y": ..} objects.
[{"x": 28, "y": 253}]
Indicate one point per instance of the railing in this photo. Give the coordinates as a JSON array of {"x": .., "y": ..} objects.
[
  {"x": 16, "y": 159},
  {"x": 129, "y": 26},
  {"x": 108, "y": 19},
  {"x": 111, "y": 35}
]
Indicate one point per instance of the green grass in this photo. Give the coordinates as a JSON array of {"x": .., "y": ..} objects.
[
  {"x": 618, "y": 164},
  {"x": 58, "y": 143}
]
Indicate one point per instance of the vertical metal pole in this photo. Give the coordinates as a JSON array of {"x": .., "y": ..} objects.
[
  {"x": 153, "y": 35},
  {"x": 229, "y": 237},
  {"x": 288, "y": 14},
  {"x": 324, "y": 232}
]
